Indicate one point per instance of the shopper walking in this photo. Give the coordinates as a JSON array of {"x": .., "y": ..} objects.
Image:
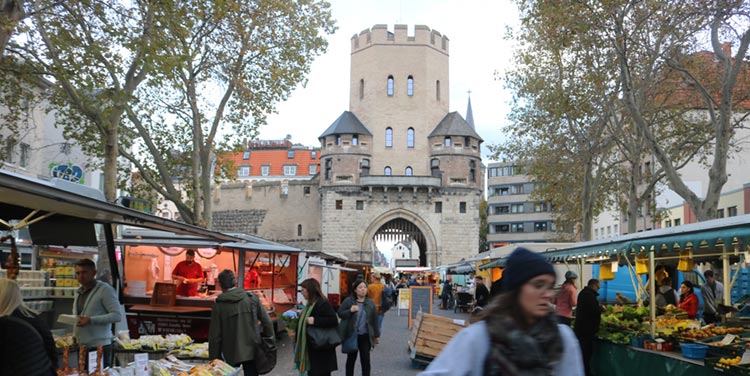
[
  {"x": 446, "y": 294},
  {"x": 233, "y": 332},
  {"x": 713, "y": 295},
  {"x": 12, "y": 305},
  {"x": 318, "y": 312},
  {"x": 566, "y": 299},
  {"x": 359, "y": 315},
  {"x": 588, "y": 318},
  {"x": 518, "y": 333},
  {"x": 375, "y": 292}
]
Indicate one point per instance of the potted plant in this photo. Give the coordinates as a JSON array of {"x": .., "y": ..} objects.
[{"x": 291, "y": 318}]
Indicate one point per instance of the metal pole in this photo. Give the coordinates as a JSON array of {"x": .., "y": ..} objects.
[
  {"x": 725, "y": 275},
  {"x": 652, "y": 290}
]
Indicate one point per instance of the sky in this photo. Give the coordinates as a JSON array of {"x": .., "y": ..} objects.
[{"x": 478, "y": 50}]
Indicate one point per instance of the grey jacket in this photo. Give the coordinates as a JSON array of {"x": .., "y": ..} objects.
[
  {"x": 346, "y": 326},
  {"x": 465, "y": 354},
  {"x": 103, "y": 308}
]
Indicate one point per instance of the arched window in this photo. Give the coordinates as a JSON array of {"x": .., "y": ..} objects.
[
  {"x": 409, "y": 171},
  {"x": 362, "y": 89},
  {"x": 410, "y": 138},
  {"x": 447, "y": 141},
  {"x": 390, "y": 86},
  {"x": 387, "y": 171},
  {"x": 299, "y": 230},
  {"x": 437, "y": 89},
  {"x": 389, "y": 137},
  {"x": 410, "y": 86}
]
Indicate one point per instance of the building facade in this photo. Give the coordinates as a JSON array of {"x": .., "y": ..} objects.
[
  {"x": 396, "y": 166},
  {"x": 512, "y": 216}
]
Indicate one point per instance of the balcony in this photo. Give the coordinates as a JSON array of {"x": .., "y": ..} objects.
[{"x": 400, "y": 181}]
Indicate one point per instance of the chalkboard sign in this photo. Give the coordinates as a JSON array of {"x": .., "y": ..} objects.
[
  {"x": 420, "y": 300},
  {"x": 165, "y": 294}
]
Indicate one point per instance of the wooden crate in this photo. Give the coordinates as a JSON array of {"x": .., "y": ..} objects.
[{"x": 430, "y": 334}]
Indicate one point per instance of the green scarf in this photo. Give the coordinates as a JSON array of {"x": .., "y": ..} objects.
[{"x": 301, "y": 356}]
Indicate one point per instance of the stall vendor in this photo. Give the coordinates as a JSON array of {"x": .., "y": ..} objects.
[{"x": 189, "y": 273}]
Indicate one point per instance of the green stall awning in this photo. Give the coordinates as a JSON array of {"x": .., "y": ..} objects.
[{"x": 702, "y": 236}]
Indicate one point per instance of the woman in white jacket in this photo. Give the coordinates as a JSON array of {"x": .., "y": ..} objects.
[{"x": 518, "y": 333}]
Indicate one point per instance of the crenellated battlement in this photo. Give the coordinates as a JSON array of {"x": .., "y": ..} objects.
[{"x": 379, "y": 34}]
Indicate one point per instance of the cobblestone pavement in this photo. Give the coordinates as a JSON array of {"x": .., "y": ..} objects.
[{"x": 390, "y": 357}]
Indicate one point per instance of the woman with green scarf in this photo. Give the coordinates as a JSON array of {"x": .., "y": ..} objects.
[{"x": 318, "y": 312}]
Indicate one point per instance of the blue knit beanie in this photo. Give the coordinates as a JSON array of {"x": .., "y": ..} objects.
[{"x": 523, "y": 265}]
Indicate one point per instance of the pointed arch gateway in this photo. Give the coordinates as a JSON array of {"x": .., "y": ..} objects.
[{"x": 401, "y": 224}]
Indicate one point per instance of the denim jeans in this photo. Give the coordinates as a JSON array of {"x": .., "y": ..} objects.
[{"x": 380, "y": 323}]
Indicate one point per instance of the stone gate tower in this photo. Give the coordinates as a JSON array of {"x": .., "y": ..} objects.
[{"x": 398, "y": 166}]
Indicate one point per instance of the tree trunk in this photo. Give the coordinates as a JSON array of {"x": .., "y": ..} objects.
[
  {"x": 587, "y": 202},
  {"x": 10, "y": 14},
  {"x": 111, "y": 152}
]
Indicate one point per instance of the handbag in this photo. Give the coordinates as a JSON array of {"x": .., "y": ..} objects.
[
  {"x": 265, "y": 355},
  {"x": 323, "y": 338},
  {"x": 265, "y": 351},
  {"x": 349, "y": 346}
]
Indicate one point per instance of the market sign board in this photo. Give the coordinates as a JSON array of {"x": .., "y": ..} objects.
[{"x": 420, "y": 300}]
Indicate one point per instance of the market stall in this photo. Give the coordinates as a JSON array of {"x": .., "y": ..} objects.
[
  {"x": 150, "y": 259},
  {"x": 65, "y": 222},
  {"x": 640, "y": 337}
]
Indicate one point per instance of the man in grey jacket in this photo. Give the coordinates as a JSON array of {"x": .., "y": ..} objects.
[
  {"x": 97, "y": 308},
  {"x": 713, "y": 295},
  {"x": 233, "y": 332}
]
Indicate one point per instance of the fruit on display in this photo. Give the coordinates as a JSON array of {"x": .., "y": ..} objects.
[
  {"x": 709, "y": 331},
  {"x": 731, "y": 361},
  {"x": 195, "y": 350},
  {"x": 64, "y": 340},
  {"x": 155, "y": 342}
]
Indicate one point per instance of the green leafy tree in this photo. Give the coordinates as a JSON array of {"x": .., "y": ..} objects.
[
  {"x": 238, "y": 59},
  {"x": 95, "y": 53}
]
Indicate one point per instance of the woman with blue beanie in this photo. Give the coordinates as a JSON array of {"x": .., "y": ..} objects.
[{"x": 518, "y": 333}]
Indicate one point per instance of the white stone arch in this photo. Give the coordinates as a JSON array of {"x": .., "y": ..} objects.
[{"x": 429, "y": 236}]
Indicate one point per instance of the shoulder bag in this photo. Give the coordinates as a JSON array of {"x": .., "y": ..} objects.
[{"x": 265, "y": 351}]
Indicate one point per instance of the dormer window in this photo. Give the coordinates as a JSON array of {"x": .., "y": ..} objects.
[
  {"x": 290, "y": 154},
  {"x": 246, "y": 155}
]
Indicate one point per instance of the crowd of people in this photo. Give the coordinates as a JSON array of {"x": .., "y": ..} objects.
[{"x": 523, "y": 322}]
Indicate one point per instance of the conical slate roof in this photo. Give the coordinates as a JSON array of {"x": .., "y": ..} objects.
[
  {"x": 454, "y": 125},
  {"x": 470, "y": 115},
  {"x": 347, "y": 123}
]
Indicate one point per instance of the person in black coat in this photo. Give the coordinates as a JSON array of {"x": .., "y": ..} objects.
[
  {"x": 481, "y": 294},
  {"x": 11, "y": 304},
  {"x": 588, "y": 317},
  {"x": 322, "y": 362}
]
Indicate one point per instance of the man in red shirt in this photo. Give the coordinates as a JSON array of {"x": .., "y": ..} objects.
[{"x": 190, "y": 273}]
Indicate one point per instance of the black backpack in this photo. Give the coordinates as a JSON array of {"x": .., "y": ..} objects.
[
  {"x": 386, "y": 299},
  {"x": 669, "y": 297}
]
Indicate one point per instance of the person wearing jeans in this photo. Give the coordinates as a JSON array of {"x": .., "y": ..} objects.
[{"x": 359, "y": 315}]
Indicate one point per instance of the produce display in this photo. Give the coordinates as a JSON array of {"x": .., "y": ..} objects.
[
  {"x": 195, "y": 350},
  {"x": 709, "y": 331},
  {"x": 173, "y": 366},
  {"x": 155, "y": 342},
  {"x": 64, "y": 340},
  {"x": 619, "y": 323}
]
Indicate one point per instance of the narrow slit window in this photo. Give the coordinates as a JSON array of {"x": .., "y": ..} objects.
[
  {"x": 410, "y": 86},
  {"x": 390, "y": 86}
]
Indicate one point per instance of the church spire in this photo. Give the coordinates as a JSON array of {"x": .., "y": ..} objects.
[{"x": 469, "y": 113}]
